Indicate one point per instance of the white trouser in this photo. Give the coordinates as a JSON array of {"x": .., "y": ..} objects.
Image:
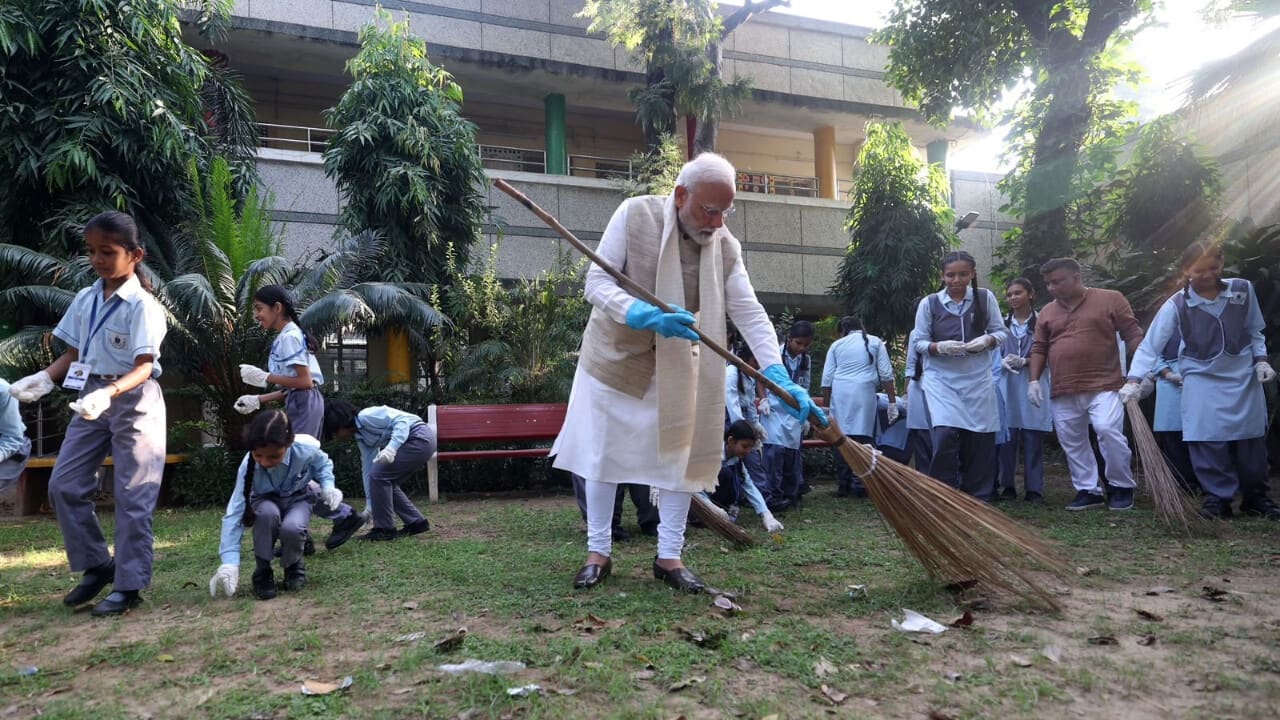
[
  {"x": 1072, "y": 416},
  {"x": 673, "y": 511}
]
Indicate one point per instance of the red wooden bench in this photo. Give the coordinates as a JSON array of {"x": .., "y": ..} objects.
[
  {"x": 497, "y": 423},
  {"x": 490, "y": 423}
]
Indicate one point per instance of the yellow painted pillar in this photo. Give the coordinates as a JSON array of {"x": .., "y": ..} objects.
[
  {"x": 399, "y": 359},
  {"x": 824, "y": 161}
]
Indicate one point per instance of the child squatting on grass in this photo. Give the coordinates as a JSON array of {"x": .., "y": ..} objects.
[{"x": 271, "y": 496}]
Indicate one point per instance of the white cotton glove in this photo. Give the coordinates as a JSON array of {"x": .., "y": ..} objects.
[
  {"x": 1035, "y": 393},
  {"x": 771, "y": 523},
  {"x": 1130, "y": 391},
  {"x": 32, "y": 387},
  {"x": 331, "y": 496},
  {"x": 952, "y": 348},
  {"x": 246, "y": 404},
  {"x": 1146, "y": 387},
  {"x": 254, "y": 376},
  {"x": 761, "y": 434},
  {"x": 1013, "y": 363},
  {"x": 1263, "y": 370},
  {"x": 891, "y": 412},
  {"x": 979, "y": 344},
  {"x": 1173, "y": 377},
  {"x": 386, "y": 456},
  {"x": 763, "y": 407},
  {"x": 805, "y": 428},
  {"x": 92, "y": 405},
  {"x": 227, "y": 577}
]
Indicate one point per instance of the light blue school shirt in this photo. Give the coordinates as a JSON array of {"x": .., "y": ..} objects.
[
  {"x": 378, "y": 427},
  {"x": 915, "y": 407},
  {"x": 784, "y": 429},
  {"x": 854, "y": 378},
  {"x": 13, "y": 432},
  {"x": 290, "y": 349},
  {"x": 740, "y": 405},
  {"x": 128, "y": 324},
  {"x": 303, "y": 462},
  {"x": 1012, "y": 387},
  {"x": 960, "y": 390}
]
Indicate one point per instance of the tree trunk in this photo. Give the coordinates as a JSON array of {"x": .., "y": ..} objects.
[{"x": 708, "y": 127}]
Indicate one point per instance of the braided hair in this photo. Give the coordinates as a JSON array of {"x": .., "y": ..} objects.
[
  {"x": 744, "y": 353},
  {"x": 1192, "y": 255},
  {"x": 123, "y": 231},
  {"x": 801, "y": 329},
  {"x": 1026, "y": 285},
  {"x": 272, "y": 294},
  {"x": 270, "y": 428},
  {"x": 852, "y": 323},
  {"x": 979, "y": 310}
]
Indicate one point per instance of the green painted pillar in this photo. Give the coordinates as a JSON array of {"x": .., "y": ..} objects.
[
  {"x": 557, "y": 160},
  {"x": 936, "y": 152}
]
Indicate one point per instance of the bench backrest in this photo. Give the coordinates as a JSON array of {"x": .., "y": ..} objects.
[{"x": 479, "y": 423}]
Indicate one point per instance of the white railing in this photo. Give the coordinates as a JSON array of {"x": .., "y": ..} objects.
[
  {"x": 293, "y": 137},
  {"x": 605, "y": 168},
  {"x": 501, "y": 157},
  {"x": 773, "y": 184}
]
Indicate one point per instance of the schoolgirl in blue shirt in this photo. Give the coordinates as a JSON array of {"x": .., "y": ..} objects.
[
  {"x": 393, "y": 446},
  {"x": 292, "y": 366},
  {"x": 856, "y": 366},
  {"x": 1027, "y": 424},
  {"x": 919, "y": 426},
  {"x": 742, "y": 403},
  {"x": 113, "y": 331},
  {"x": 1166, "y": 423},
  {"x": 15, "y": 446},
  {"x": 957, "y": 327},
  {"x": 272, "y": 497},
  {"x": 1223, "y": 364},
  {"x": 782, "y": 456}
]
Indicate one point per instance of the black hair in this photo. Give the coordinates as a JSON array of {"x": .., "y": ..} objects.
[
  {"x": 1031, "y": 290},
  {"x": 852, "y": 323},
  {"x": 740, "y": 430},
  {"x": 123, "y": 231},
  {"x": 745, "y": 354},
  {"x": 801, "y": 329},
  {"x": 272, "y": 294},
  {"x": 1062, "y": 263},
  {"x": 1192, "y": 255},
  {"x": 979, "y": 310},
  {"x": 338, "y": 415},
  {"x": 270, "y": 428}
]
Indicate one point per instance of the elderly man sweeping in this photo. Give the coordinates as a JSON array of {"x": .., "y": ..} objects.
[{"x": 646, "y": 406}]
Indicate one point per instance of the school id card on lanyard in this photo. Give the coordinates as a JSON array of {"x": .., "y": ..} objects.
[{"x": 79, "y": 372}]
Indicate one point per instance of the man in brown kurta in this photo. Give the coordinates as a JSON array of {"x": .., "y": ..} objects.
[{"x": 1076, "y": 335}]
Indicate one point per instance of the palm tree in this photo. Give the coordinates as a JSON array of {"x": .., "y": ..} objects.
[{"x": 227, "y": 255}]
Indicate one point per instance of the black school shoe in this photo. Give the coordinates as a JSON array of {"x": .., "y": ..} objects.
[
  {"x": 1215, "y": 508},
  {"x": 295, "y": 577},
  {"x": 418, "y": 527},
  {"x": 1260, "y": 507},
  {"x": 264, "y": 580},
  {"x": 95, "y": 580},
  {"x": 117, "y": 603},
  {"x": 379, "y": 535},
  {"x": 345, "y": 528}
]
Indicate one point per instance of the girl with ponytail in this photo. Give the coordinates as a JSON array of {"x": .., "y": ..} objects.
[
  {"x": 1027, "y": 423},
  {"x": 857, "y": 364}
]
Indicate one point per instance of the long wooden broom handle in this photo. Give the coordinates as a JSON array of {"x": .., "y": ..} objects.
[{"x": 635, "y": 289}]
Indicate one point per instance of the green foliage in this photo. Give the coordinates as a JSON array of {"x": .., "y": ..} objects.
[
  {"x": 656, "y": 172},
  {"x": 1055, "y": 62},
  {"x": 899, "y": 228},
  {"x": 102, "y": 106},
  {"x": 1253, "y": 253},
  {"x": 404, "y": 158},
  {"x": 514, "y": 343},
  {"x": 206, "y": 480}
]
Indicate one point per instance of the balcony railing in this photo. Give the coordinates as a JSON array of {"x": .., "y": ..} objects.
[
  {"x": 604, "y": 168},
  {"x": 500, "y": 157},
  {"x": 293, "y": 137},
  {"x": 772, "y": 184}
]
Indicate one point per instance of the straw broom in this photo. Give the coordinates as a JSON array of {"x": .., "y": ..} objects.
[
  {"x": 1171, "y": 503},
  {"x": 956, "y": 537}
]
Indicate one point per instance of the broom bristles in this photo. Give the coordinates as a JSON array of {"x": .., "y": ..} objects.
[
  {"x": 719, "y": 522},
  {"x": 1171, "y": 504},
  {"x": 955, "y": 536}
]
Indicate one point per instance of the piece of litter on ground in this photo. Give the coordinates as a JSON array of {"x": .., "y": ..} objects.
[
  {"x": 452, "y": 641},
  {"x": 402, "y": 691},
  {"x": 165, "y": 658},
  {"x": 835, "y": 696},
  {"x": 823, "y": 667},
  {"x": 28, "y": 670},
  {"x": 856, "y": 592},
  {"x": 314, "y": 687},
  {"x": 1084, "y": 571},
  {"x": 494, "y": 667},
  {"x": 1019, "y": 661},
  {"x": 1213, "y": 594},
  {"x": 1053, "y": 653},
  {"x": 411, "y": 605},
  {"x": 964, "y": 621},
  {"x": 685, "y": 683},
  {"x": 1148, "y": 615},
  {"x": 954, "y": 677},
  {"x": 1147, "y": 640},
  {"x": 525, "y": 690},
  {"x": 1102, "y": 640},
  {"x": 410, "y": 637},
  {"x": 913, "y": 621},
  {"x": 726, "y": 605},
  {"x": 1159, "y": 590}
]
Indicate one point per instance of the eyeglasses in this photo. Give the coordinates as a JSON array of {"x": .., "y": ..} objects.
[{"x": 716, "y": 212}]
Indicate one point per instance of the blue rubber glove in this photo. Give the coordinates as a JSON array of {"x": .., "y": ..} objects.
[
  {"x": 643, "y": 316},
  {"x": 779, "y": 375}
]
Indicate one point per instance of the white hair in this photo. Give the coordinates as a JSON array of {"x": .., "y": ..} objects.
[{"x": 707, "y": 167}]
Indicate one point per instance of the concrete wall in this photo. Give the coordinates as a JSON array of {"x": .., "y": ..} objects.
[{"x": 977, "y": 192}]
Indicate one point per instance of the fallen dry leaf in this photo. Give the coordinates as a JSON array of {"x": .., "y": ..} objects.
[
  {"x": 685, "y": 683},
  {"x": 402, "y": 691},
  {"x": 591, "y": 623},
  {"x": 1148, "y": 615},
  {"x": 835, "y": 696},
  {"x": 314, "y": 687},
  {"x": 410, "y": 605},
  {"x": 823, "y": 667},
  {"x": 940, "y": 715},
  {"x": 726, "y": 606},
  {"x": 953, "y": 676},
  {"x": 410, "y": 637},
  {"x": 1213, "y": 594},
  {"x": 1102, "y": 640},
  {"x": 1019, "y": 661},
  {"x": 452, "y": 641},
  {"x": 548, "y": 625},
  {"x": 1084, "y": 571},
  {"x": 643, "y": 675},
  {"x": 963, "y": 621},
  {"x": 1147, "y": 640},
  {"x": 702, "y": 638},
  {"x": 165, "y": 658}
]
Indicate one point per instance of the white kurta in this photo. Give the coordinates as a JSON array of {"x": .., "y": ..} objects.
[{"x": 612, "y": 437}]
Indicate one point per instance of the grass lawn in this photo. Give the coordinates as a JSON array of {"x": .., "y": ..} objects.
[{"x": 632, "y": 648}]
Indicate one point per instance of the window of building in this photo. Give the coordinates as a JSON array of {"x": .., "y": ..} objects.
[{"x": 344, "y": 357}]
